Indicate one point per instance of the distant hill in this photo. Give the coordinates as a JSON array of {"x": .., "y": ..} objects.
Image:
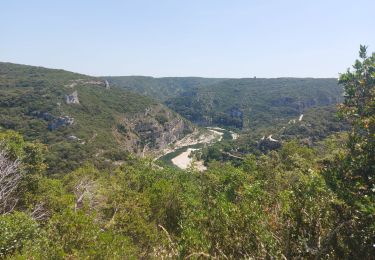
[
  {"x": 81, "y": 117},
  {"x": 84, "y": 118},
  {"x": 240, "y": 103},
  {"x": 161, "y": 88}
]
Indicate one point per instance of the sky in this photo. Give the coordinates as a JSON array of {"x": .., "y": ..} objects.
[{"x": 207, "y": 38}]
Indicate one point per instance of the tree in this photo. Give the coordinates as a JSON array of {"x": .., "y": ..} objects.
[
  {"x": 10, "y": 177},
  {"x": 16, "y": 229},
  {"x": 351, "y": 176}
]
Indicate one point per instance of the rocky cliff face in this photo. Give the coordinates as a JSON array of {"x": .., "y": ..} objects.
[
  {"x": 72, "y": 98},
  {"x": 151, "y": 131}
]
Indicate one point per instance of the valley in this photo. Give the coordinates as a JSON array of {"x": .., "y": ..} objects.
[
  {"x": 187, "y": 130},
  {"x": 167, "y": 167},
  {"x": 82, "y": 118},
  {"x": 107, "y": 119},
  {"x": 246, "y": 103},
  {"x": 182, "y": 154}
]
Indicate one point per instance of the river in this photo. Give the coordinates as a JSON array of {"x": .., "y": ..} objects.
[{"x": 182, "y": 156}]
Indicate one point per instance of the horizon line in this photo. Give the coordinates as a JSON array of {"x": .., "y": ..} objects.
[{"x": 161, "y": 77}]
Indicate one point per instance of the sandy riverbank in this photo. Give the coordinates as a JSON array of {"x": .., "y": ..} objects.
[
  {"x": 192, "y": 139},
  {"x": 185, "y": 160}
]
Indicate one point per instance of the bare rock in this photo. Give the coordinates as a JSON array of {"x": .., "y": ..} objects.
[
  {"x": 107, "y": 86},
  {"x": 72, "y": 98}
]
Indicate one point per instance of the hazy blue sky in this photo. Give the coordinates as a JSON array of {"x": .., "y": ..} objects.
[{"x": 215, "y": 38}]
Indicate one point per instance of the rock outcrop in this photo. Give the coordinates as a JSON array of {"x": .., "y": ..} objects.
[
  {"x": 152, "y": 131},
  {"x": 54, "y": 122},
  {"x": 107, "y": 86},
  {"x": 73, "y": 138},
  {"x": 72, "y": 98},
  {"x": 268, "y": 143},
  {"x": 60, "y": 121}
]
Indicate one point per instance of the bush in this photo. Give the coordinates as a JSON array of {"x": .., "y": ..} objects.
[{"x": 15, "y": 230}]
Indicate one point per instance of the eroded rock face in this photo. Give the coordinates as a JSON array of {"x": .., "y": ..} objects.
[
  {"x": 54, "y": 122},
  {"x": 73, "y": 138},
  {"x": 84, "y": 82},
  {"x": 152, "y": 130},
  {"x": 72, "y": 98},
  {"x": 107, "y": 86},
  {"x": 172, "y": 131}
]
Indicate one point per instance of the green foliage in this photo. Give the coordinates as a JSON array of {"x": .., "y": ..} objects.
[
  {"x": 277, "y": 205},
  {"x": 32, "y": 166},
  {"x": 162, "y": 119},
  {"x": 351, "y": 175},
  {"x": 15, "y": 229},
  {"x": 317, "y": 124},
  {"x": 161, "y": 88},
  {"x": 240, "y": 103},
  {"x": 121, "y": 128},
  {"x": 75, "y": 235},
  {"x": 33, "y": 101},
  {"x": 49, "y": 193},
  {"x": 72, "y": 231},
  {"x": 296, "y": 202},
  {"x": 30, "y": 154}
]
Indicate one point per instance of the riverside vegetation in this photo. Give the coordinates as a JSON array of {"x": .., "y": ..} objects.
[{"x": 311, "y": 197}]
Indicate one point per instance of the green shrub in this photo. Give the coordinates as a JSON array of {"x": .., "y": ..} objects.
[{"x": 15, "y": 230}]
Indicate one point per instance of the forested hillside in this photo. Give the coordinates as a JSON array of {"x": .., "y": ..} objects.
[
  {"x": 161, "y": 89},
  {"x": 239, "y": 103},
  {"x": 309, "y": 129},
  {"x": 283, "y": 108},
  {"x": 297, "y": 201},
  {"x": 252, "y": 103},
  {"x": 81, "y": 117}
]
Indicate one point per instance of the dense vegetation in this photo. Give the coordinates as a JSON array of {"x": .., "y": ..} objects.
[
  {"x": 317, "y": 124},
  {"x": 161, "y": 89},
  {"x": 254, "y": 103},
  {"x": 293, "y": 202},
  {"x": 33, "y": 103},
  {"x": 240, "y": 103}
]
